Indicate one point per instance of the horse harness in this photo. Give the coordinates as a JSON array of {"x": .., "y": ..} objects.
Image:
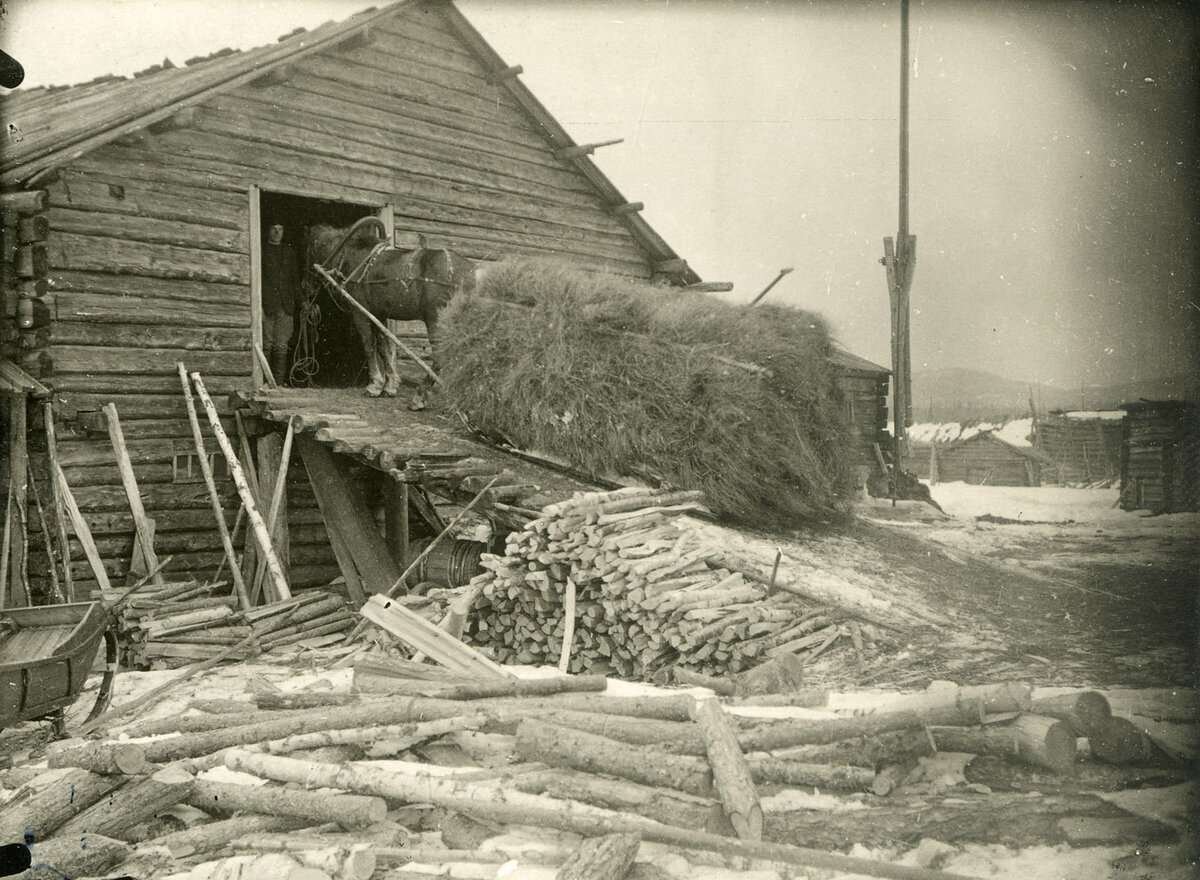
[{"x": 409, "y": 267}]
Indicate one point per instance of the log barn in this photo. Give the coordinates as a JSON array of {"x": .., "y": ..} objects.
[
  {"x": 1160, "y": 456},
  {"x": 134, "y": 219},
  {"x": 986, "y": 460},
  {"x": 1084, "y": 446},
  {"x": 134, "y": 211}
]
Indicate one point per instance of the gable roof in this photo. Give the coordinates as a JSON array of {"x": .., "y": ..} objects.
[
  {"x": 56, "y": 125},
  {"x": 990, "y": 437}
]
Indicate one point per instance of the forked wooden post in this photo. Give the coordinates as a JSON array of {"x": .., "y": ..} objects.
[
  {"x": 218, "y": 512},
  {"x": 239, "y": 480}
]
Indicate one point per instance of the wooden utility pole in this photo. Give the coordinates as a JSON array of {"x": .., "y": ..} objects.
[{"x": 899, "y": 260}]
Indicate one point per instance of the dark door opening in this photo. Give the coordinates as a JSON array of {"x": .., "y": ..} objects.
[{"x": 325, "y": 350}]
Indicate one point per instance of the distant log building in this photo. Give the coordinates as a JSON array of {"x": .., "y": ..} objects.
[
  {"x": 985, "y": 459},
  {"x": 1084, "y": 447},
  {"x": 1160, "y": 456}
]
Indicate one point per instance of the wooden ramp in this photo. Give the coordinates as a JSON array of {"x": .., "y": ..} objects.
[{"x": 431, "y": 449}]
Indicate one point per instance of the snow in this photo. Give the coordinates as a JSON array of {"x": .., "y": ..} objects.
[
  {"x": 1038, "y": 504},
  {"x": 1016, "y": 431}
]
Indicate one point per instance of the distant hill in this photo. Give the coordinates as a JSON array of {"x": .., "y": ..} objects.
[{"x": 963, "y": 395}]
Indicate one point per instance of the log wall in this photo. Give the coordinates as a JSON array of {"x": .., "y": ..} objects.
[
  {"x": 984, "y": 461},
  {"x": 147, "y": 260},
  {"x": 1083, "y": 450},
  {"x": 865, "y": 396},
  {"x": 1160, "y": 457}
]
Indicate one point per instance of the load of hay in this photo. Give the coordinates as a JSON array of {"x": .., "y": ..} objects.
[{"x": 626, "y": 379}]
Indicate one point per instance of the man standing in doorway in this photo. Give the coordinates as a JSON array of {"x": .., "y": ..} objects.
[{"x": 280, "y": 281}]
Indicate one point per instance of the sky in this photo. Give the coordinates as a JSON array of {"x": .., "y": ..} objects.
[{"x": 1054, "y": 162}]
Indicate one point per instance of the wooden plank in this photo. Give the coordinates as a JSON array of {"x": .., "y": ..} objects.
[
  {"x": 345, "y": 513},
  {"x": 435, "y": 643},
  {"x": 129, "y": 481}
]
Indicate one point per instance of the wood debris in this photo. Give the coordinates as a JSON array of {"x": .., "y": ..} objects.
[
  {"x": 178, "y": 623},
  {"x": 619, "y": 777}
]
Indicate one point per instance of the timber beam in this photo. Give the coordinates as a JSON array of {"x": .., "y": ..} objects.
[
  {"x": 23, "y": 201},
  {"x": 628, "y": 208},
  {"x": 275, "y": 77},
  {"x": 185, "y": 117},
  {"x": 505, "y": 73},
  {"x": 359, "y": 39},
  {"x": 578, "y": 150}
]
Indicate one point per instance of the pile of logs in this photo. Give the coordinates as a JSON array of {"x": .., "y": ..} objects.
[
  {"x": 619, "y": 582},
  {"x": 694, "y": 773},
  {"x": 171, "y": 625}
]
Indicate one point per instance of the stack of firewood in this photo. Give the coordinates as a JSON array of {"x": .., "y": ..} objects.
[
  {"x": 693, "y": 773},
  {"x": 640, "y": 587},
  {"x": 175, "y": 624}
]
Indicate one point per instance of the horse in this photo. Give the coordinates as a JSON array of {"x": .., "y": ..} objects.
[{"x": 391, "y": 283}]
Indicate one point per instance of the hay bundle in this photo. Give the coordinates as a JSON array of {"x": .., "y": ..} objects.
[{"x": 623, "y": 378}]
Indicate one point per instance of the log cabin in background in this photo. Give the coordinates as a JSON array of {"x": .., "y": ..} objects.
[
  {"x": 1084, "y": 446},
  {"x": 986, "y": 460},
  {"x": 1160, "y": 456},
  {"x": 134, "y": 211}
]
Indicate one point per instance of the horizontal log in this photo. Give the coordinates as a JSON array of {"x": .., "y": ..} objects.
[
  {"x": 129, "y": 195},
  {"x": 130, "y": 310},
  {"x": 216, "y": 836},
  {"x": 157, "y": 361},
  {"x": 206, "y": 294},
  {"x": 123, "y": 335},
  {"x": 48, "y": 807},
  {"x": 95, "y": 253},
  {"x": 23, "y": 201},
  {"x": 152, "y": 230},
  {"x": 349, "y": 811},
  {"x": 109, "y": 759},
  {"x": 576, "y": 750},
  {"x": 515, "y": 807},
  {"x": 70, "y": 859}
]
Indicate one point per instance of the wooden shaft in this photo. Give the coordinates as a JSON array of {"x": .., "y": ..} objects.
[
  {"x": 239, "y": 479},
  {"x": 82, "y": 532},
  {"x": 379, "y": 324},
  {"x": 166, "y": 687},
  {"x": 60, "y": 523},
  {"x": 214, "y": 499},
  {"x": 129, "y": 481},
  {"x": 56, "y": 585}
]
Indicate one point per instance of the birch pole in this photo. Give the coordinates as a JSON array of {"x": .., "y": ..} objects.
[
  {"x": 239, "y": 480},
  {"x": 206, "y": 469}
]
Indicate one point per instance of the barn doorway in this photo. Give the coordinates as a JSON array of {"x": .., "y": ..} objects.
[{"x": 324, "y": 350}]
